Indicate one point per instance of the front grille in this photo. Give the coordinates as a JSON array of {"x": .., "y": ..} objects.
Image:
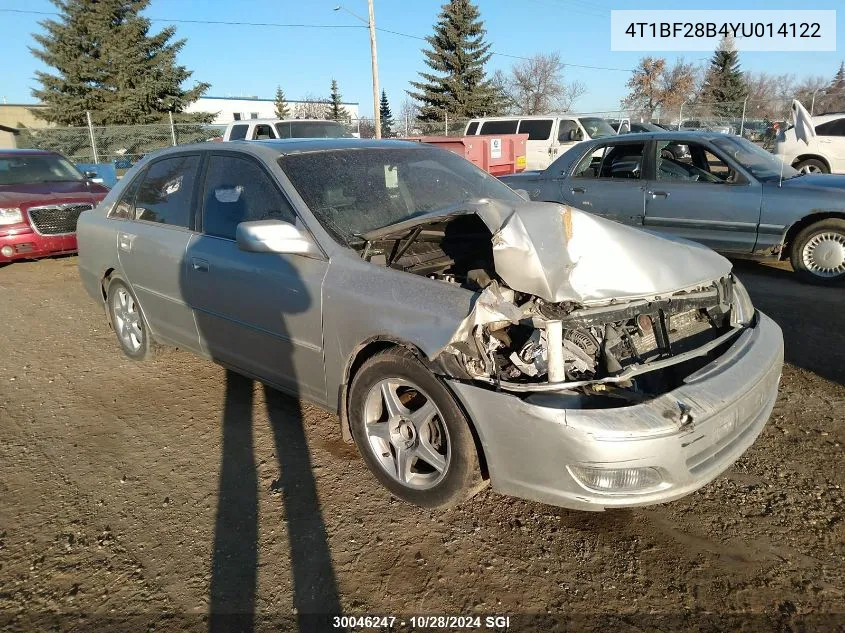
[{"x": 57, "y": 219}]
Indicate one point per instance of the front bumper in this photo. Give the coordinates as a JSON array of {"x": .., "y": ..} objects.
[
  {"x": 529, "y": 444},
  {"x": 27, "y": 244}
]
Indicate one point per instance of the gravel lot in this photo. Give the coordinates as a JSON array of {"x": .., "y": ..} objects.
[{"x": 152, "y": 494}]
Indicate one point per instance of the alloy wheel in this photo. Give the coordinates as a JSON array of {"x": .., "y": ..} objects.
[
  {"x": 127, "y": 320},
  {"x": 406, "y": 433}
]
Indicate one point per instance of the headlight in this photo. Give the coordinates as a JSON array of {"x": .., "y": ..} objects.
[
  {"x": 742, "y": 310},
  {"x": 10, "y": 216}
]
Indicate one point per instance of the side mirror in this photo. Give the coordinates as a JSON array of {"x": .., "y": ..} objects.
[
  {"x": 275, "y": 236},
  {"x": 90, "y": 175},
  {"x": 573, "y": 134}
]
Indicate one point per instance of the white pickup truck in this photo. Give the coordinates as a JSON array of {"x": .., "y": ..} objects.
[{"x": 266, "y": 129}]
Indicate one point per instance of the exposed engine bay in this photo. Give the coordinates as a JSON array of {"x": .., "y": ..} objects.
[{"x": 630, "y": 350}]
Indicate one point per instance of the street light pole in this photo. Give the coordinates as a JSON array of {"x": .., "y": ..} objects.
[{"x": 371, "y": 23}]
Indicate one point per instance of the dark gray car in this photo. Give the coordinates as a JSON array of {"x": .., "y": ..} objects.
[
  {"x": 728, "y": 194},
  {"x": 461, "y": 333}
]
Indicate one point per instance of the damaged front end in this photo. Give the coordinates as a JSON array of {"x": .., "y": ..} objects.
[{"x": 569, "y": 302}]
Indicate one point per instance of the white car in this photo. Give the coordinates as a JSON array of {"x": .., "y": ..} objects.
[
  {"x": 548, "y": 135},
  {"x": 267, "y": 129},
  {"x": 813, "y": 144}
]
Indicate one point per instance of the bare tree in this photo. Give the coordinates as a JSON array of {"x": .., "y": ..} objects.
[
  {"x": 311, "y": 106},
  {"x": 408, "y": 113},
  {"x": 537, "y": 86},
  {"x": 769, "y": 96},
  {"x": 655, "y": 84}
]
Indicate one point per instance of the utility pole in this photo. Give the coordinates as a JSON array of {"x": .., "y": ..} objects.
[
  {"x": 371, "y": 23},
  {"x": 374, "y": 55}
]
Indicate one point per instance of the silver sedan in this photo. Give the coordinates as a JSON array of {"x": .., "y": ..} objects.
[{"x": 462, "y": 334}]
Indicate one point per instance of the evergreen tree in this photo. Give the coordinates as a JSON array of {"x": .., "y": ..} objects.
[
  {"x": 280, "y": 105},
  {"x": 834, "y": 94},
  {"x": 724, "y": 84},
  {"x": 107, "y": 62},
  {"x": 386, "y": 116},
  {"x": 336, "y": 111},
  {"x": 457, "y": 54}
]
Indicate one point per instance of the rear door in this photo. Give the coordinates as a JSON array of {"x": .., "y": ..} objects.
[
  {"x": 538, "y": 148},
  {"x": 259, "y": 312},
  {"x": 703, "y": 197},
  {"x": 608, "y": 181},
  {"x": 151, "y": 250}
]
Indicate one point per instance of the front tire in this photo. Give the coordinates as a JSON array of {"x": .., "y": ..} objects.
[
  {"x": 128, "y": 322},
  {"x": 818, "y": 252},
  {"x": 411, "y": 432},
  {"x": 811, "y": 166}
]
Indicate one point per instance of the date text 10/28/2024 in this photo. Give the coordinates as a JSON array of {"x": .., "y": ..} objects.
[{"x": 422, "y": 622}]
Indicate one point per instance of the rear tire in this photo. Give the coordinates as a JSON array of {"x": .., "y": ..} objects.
[
  {"x": 411, "y": 432},
  {"x": 818, "y": 252},
  {"x": 811, "y": 166},
  {"x": 127, "y": 318}
]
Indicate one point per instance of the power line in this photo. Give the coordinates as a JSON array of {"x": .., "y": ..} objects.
[{"x": 314, "y": 26}]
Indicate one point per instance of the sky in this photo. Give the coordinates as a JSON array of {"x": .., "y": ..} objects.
[{"x": 241, "y": 60}]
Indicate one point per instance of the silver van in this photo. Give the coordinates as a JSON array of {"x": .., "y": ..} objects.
[{"x": 548, "y": 135}]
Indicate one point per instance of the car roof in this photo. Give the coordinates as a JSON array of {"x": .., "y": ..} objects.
[
  {"x": 516, "y": 117},
  {"x": 249, "y": 121},
  {"x": 681, "y": 135},
  {"x": 283, "y": 147},
  {"x": 27, "y": 152},
  {"x": 830, "y": 116}
]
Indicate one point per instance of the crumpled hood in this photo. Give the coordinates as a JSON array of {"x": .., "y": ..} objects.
[{"x": 560, "y": 253}]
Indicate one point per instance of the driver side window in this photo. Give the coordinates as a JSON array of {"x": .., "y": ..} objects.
[
  {"x": 692, "y": 162},
  {"x": 569, "y": 132}
]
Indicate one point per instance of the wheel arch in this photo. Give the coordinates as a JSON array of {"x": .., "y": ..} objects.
[
  {"x": 375, "y": 345},
  {"x": 803, "y": 223},
  {"x": 817, "y": 157}
]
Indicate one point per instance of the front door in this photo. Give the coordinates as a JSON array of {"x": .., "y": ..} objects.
[
  {"x": 608, "y": 182},
  {"x": 568, "y": 133},
  {"x": 538, "y": 154},
  {"x": 151, "y": 248},
  {"x": 259, "y": 312},
  {"x": 704, "y": 198}
]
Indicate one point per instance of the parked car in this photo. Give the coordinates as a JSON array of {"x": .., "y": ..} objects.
[
  {"x": 41, "y": 197},
  {"x": 548, "y": 135},
  {"x": 814, "y": 144},
  {"x": 730, "y": 194},
  {"x": 267, "y": 129},
  {"x": 460, "y": 332}
]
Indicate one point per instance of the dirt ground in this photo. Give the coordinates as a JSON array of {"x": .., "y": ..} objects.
[{"x": 147, "y": 495}]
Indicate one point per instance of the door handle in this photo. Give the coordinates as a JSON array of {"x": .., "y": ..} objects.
[
  {"x": 577, "y": 190},
  {"x": 659, "y": 194},
  {"x": 200, "y": 265},
  {"x": 124, "y": 241}
]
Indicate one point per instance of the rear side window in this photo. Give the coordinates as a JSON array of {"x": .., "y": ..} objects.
[
  {"x": 238, "y": 132},
  {"x": 499, "y": 127},
  {"x": 472, "y": 128},
  {"x": 536, "y": 129},
  {"x": 239, "y": 190},
  {"x": 166, "y": 191},
  {"x": 831, "y": 128}
]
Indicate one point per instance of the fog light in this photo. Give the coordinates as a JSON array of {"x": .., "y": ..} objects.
[
  {"x": 7, "y": 251},
  {"x": 616, "y": 479}
]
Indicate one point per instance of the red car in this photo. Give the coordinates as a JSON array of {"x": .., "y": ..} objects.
[{"x": 41, "y": 197}]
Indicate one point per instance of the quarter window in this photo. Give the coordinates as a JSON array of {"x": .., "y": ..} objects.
[
  {"x": 499, "y": 127},
  {"x": 166, "y": 191},
  {"x": 125, "y": 207},
  {"x": 239, "y": 190},
  {"x": 536, "y": 129}
]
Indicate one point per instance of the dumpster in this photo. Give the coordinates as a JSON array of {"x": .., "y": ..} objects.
[{"x": 498, "y": 155}]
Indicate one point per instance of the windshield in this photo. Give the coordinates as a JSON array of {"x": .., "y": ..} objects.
[
  {"x": 596, "y": 127},
  {"x": 352, "y": 191},
  {"x": 762, "y": 165},
  {"x": 34, "y": 168},
  {"x": 311, "y": 129}
]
